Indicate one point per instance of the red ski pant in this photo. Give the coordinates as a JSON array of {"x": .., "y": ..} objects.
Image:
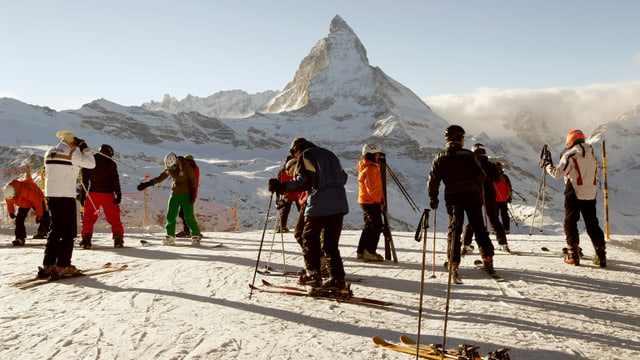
[{"x": 92, "y": 205}]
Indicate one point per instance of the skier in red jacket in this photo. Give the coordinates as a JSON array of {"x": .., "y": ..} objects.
[{"x": 26, "y": 195}]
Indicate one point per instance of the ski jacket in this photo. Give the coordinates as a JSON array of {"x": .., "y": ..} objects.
[
  {"x": 62, "y": 165},
  {"x": 284, "y": 177},
  {"x": 184, "y": 179},
  {"x": 579, "y": 167},
  {"x": 28, "y": 196},
  {"x": 319, "y": 172},
  {"x": 458, "y": 168},
  {"x": 370, "y": 183},
  {"x": 504, "y": 192},
  {"x": 103, "y": 178},
  {"x": 493, "y": 175}
]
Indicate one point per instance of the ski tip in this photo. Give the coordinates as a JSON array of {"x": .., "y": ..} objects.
[
  {"x": 544, "y": 248},
  {"x": 477, "y": 262},
  {"x": 379, "y": 341},
  {"x": 407, "y": 340}
]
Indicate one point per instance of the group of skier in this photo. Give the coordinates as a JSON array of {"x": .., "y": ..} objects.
[{"x": 314, "y": 179}]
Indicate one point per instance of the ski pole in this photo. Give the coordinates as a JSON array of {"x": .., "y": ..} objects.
[
  {"x": 513, "y": 214},
  {"x": 425, "y": 225},
  {"x": 264, "y": 229},
  {"x": 451, "y": 244},
  {"x": 535, "y": 208},
  {"x": 433, "y": 261},
  {"x": 403, "y": 190},
  {"x": 605, "y": 192}
]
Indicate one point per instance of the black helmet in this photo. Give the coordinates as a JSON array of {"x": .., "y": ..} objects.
[
  {"x": 454, "y": 133},
  {"x": 479, "y": 149},
  {"x": 106, "y": 150}
]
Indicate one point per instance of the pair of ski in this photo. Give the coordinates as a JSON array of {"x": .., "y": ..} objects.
[
  {"x": 297, "y": 291},
  {"x": 101, "y": 270},
  {"x": 293, "y": 274},
  {"x": 565, "y": 252},
  {"x": 465, "y": 352}
]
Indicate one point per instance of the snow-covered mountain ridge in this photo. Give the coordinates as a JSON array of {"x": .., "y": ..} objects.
[{"x": 337, "y": 100}]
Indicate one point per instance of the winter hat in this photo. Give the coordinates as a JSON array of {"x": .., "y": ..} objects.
[
  {"x": 299, "y": 144},
  {"x": 66, "y": 135},
  {"x": 575, "y": 137},
  {"x": 188, "y": 157},
  {"x": 479, "y": 149},
  {"x": 370, "y": 149},
  {"x": 10, "y": 192},
  {"x": 106, "y": 150},
  {"x": 454, "y": 133}
]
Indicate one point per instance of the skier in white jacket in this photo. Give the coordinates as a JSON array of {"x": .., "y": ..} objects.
[
  {"x": 579, "y": 167},
  {"x": 62, "y": 165}
]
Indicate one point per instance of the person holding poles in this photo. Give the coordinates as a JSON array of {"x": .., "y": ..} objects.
[{"x": 579, "y": 167}]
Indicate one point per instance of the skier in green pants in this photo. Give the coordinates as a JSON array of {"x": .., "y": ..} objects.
[{"x": 183, "y": 194}]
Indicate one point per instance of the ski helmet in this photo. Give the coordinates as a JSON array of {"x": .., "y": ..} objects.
[
  {"x": 370, "y": 149},
  {"x": 575, "y": 137},
  {"x": 106, "y": 150},
  {"x": 10, "y": 192},
  {"x": 170, "y": 160},
  {"x": 454, "y": 133},
  {"x": 479, "y": 149}
]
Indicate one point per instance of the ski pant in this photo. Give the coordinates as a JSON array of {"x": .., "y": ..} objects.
[
  {"x": 456, "y": 213},
  {"x": 185, "y": 227},
  {"x": 92, "y": 205},
  {"x": 320, "y": 235},
  {"x": 64, "y": 228},
  {"x": 573, "y": 207},
  {"x": 21, "y": 216},
  {"x": 175, "y": 202},
  {"x": 284, "y": 208},
  {"x": 492, "y": 215},
  {"x": 503, "y": 215},
  {"x": 370, "y": 235}
]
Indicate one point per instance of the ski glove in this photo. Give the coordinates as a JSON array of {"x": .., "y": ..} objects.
[
  {"x": 546, "y": 158},
  {"x": 192, "y": 197},
  {"x": 80, "y": 144},
  {"x": 83, "y": 197},
  {"x": 117, "y": 200},
  {"x": 13, "y": 216},
  {"x": 433, "y": 204},
  {"x": 275, "y": 186},
  {"x": 143, "y": 185},
  {"x": 38, "y": 219}
]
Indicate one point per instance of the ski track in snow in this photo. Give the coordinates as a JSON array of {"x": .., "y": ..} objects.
[{"x": 188, "y": 302}]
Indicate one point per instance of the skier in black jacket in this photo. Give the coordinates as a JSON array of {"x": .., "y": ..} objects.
[
  {"x": 103, "y": 185},
  {"x": 490, "y": 204},
  {"x": 463, "y": 177}
]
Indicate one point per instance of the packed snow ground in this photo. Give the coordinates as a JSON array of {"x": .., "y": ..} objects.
[{"x": 188, "y": 302}]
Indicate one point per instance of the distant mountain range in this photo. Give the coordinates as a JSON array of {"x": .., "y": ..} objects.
[{"x": 336, "y": 100}]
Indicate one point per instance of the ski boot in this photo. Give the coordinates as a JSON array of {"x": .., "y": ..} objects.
[
  {"x": 332, "y": 287},
  {"x": 500, "y": 354},
  {"x": 65, "y": 271},
  {"x": 195, "y": 240},
  {"x": 468, "y": 352},
  {"x": 466, "y": 250},
  {"x": 488, "y": 266},
  {"x": 572, "y": 257},
  {"x": 310, "y": 278},
  {"x": 45, "y": 271},
  {"x": 118, "y": 241},
  {"x": 169, "y": 240},
  {"x": 505, "y": 248},
  {"x": 18, "y": 242},
  {"x": 601, "y": 257},
  {"x": 86, "y": 241},
  {"x": 183, "y": 234}
]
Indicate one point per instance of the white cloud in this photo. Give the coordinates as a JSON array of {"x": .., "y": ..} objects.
[
  {"x": 636, "y": 59},
  {"x": 585, "y": 107}
]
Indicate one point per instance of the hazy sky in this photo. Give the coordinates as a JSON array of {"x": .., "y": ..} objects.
[{"x": 63, "y": 54}]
